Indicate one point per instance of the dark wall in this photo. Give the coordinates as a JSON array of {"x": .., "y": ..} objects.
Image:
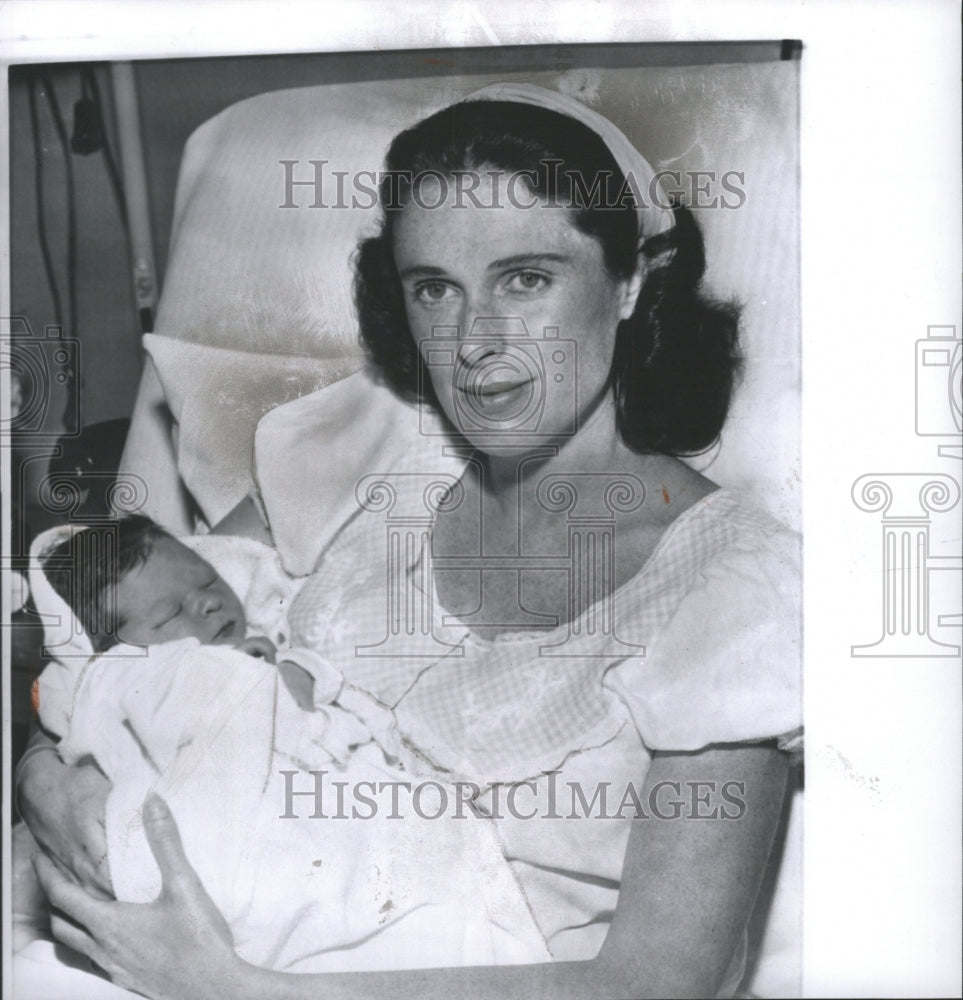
[{"x": 105, "y": 322}]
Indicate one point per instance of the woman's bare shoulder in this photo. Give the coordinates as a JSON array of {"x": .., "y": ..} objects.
[{"x": 671, "y": 488}]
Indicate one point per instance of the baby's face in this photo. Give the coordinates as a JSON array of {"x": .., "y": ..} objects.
[{"x": 175, "y": 594}]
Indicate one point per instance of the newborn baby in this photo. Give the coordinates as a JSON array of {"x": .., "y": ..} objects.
[
  {"x": 178, "y": 699},
  {"x": 143, "y": 587},
  {"x": 132, "y": 584}
]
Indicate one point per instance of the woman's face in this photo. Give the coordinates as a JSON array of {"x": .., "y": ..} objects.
[{"x": 512, "y": 309}]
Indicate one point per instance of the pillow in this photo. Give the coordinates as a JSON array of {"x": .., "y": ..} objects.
[
  {"x": 217, "y": 396},
  {"x": 314, "y": 454}
]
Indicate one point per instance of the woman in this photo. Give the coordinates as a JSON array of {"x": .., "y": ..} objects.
[{"x": 602, "y": 616}]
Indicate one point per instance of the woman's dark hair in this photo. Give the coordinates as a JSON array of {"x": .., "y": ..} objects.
[
  {"x": 84, "y": 571},
  {"x": 676, "y": 358}
]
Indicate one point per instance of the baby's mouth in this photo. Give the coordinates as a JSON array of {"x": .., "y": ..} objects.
[{"x": 224, "y": 632}]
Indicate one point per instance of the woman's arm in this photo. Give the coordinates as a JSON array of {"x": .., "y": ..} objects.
[
  {"x": 694, "y": 881},
  {"x": 63, "y": 806},
  {"x": 687, "y": 891}
]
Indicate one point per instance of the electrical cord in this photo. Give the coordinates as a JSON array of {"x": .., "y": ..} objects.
[
  {"x": 70, "y": 404},
  {"x": 39, "y": 190},
  {"x": 71, "y": 201},
  {"x": 91, "y": 91},
  {"x": 110, "y": 162}
]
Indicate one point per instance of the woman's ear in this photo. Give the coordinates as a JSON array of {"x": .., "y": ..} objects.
[{"x": 632, "y": 287}]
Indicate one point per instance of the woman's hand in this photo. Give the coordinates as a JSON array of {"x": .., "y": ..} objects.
[
  {"x": 63, "y": 806},
  {"x": 179, "y": 946}
]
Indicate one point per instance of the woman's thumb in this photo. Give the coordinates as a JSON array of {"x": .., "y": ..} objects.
[
  {"x": 179, "y": 881},
  {"x": 165, "y": 843}
]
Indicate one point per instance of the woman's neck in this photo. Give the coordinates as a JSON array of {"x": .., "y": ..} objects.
[
  {"x": 596, "y": 447},
  {"x": 508, "y": 480},
  {"x": 518, "y": 514}
]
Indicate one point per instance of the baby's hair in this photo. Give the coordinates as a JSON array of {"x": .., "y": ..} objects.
[{"x": 85, "y": 569}]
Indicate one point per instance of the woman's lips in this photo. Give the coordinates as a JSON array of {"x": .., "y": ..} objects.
[
  {"x": 487, "y": 390},
  {"x": 491, "y": 389}
]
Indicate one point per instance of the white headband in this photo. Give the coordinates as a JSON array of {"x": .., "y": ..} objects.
[{"x": 653, "y": 217}]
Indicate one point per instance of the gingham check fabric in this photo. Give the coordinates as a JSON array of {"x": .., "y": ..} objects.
[{"x": 510, "y": 708}]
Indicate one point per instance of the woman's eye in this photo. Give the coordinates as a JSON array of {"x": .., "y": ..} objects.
[
  {"x": 433, "y": 292},
  {"x": 528, "y": 281}
]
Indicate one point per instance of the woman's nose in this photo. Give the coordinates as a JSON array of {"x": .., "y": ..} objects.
[{"x": 484, "y": 329}]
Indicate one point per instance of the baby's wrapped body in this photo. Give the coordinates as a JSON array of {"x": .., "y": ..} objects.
[
  {"x": 254, "y": 772},
  {"x": 306, "y": 884}
]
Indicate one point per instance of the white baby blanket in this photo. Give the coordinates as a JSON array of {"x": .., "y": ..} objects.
[{"x": 212, "y": 730}]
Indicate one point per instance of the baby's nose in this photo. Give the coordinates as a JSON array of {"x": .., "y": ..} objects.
[{"x": 208, "y": 602}]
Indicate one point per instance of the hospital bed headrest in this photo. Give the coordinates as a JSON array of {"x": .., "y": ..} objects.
[{"x": 256, "y": 308}]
